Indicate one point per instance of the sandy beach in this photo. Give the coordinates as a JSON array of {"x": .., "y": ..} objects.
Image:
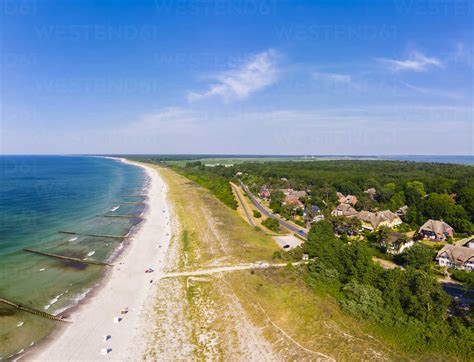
[{"x": 99, "y": 330}]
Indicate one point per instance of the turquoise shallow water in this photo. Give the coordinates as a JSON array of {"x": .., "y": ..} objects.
[{"x": 39, "y": 196}]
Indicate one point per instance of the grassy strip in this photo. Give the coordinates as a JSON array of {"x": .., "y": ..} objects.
[
  {"x": 213, "y": 231},
  {"x": 218, "y": 185}
]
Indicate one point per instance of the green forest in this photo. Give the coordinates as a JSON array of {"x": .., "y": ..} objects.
[
  {"x": 408, "y": 307},
  {"x": 430, "y": 190}
]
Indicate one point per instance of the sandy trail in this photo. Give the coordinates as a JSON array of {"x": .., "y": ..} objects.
[
  {"x": 128, "y": 287},
  {"x": 225, "y": 269}
]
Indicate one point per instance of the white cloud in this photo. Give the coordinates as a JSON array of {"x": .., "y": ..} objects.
[
  {"x": 258, "y": 72},
  {"x": 165, "y": 121},
  {"x": 332, "y": 77},
  {"x": 434, "y": 92},
  {"x": 417, "y": 62}
]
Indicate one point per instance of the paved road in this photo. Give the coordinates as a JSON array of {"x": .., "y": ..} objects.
[
  {"x": 263, "y": 210},
  {"x": 243, "y": 207},
  {"x": 458, "y": 291}
]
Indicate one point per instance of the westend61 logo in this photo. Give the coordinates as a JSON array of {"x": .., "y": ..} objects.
[
  {"x": 336, "y": 32},
  {"x": 18, "y": 7},
  {"x": 81, "y": 32},
  {"x": 216, "y": 7},
  {"x": 433, "y": 7},
  {"x": 197, "y": 59}
]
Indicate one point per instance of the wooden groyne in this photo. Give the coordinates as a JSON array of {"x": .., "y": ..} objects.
[
  {"x": 124, "y": 216},
  {"x": 34, "y": 311},
  {"x": 92, "y": 262},
  {"x": 94, "y": 235}
]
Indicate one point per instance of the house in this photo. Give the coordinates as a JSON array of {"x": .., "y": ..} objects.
[
  {"x": 292, "y": 200},
  {"x": 458, "y": 257},
  {"x": 312, "y": 214},
  {"x": 372, "y": 192},
  {"x": 317, "y": 218},
  {"x": 316, "y": 210},
  {"x": 402, "y": 210},
  {"x": 296, "y": 193},
  {"x": 345, "y": 226},
  {"x": 435, "y": 230},
  {"x": 344, "y": 210},
  {"x": 292, "y": 197},
  {"x": 469, "y": 244},
  {"x": 238, "y": 174},
  {"x": 373, "y": 220},
  {"x": 264, "y": 192},
  {"x": 311, "y": 210},
  {"x": 349, "y": 199},
  {"x": 397, "y": 243}
]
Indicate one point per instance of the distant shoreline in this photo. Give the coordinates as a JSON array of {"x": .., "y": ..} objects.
[
  {"x": 444, "y": 159},
  {"x": 449, "y": 159}
]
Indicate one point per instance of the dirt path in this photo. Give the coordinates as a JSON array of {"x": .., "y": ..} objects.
[{"x": 228, "y": 268}]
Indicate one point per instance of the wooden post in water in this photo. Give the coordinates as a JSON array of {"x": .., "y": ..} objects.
[
  {"x": 92, "y": 262},
  {"x": 33, "y": 311},
  {"x": 124, "y": 216},
  {"x": 94, "y": 235}
]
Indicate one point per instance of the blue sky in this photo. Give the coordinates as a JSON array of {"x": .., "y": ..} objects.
[{"x": 248, "y": 76}]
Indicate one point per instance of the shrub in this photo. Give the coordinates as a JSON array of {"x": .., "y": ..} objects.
[
  {"x": 363, "y": 301},
  {"x": 276, "y": 255},
  {"x": 463, "y": 276},
  {"x": 418, "y": 256},
  {"x": 271, "y": 224},
  {"x": 300, "y": 223},
  {"x": 256, "y": 214}
]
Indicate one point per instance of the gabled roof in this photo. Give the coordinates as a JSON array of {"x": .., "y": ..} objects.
[
  {"x": 402, "y": 210},
  {"x": 375, "y": 219},
  {"x": 436, "y": 226},
  {"x": 394, "y": 237},
  {"x": 315, "y": 208},
  {"x": 345, "y": 210},
  {"x": 457, "y": 254},
  {"x": 468, "y": 243}
]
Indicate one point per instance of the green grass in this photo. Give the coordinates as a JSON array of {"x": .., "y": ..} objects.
[
  {"x": 314, "y": 320},
  {"x": 218, "y": 185},
  {"x": 213, "y": 231}
]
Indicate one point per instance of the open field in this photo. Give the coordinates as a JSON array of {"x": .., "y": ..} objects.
[
  {"x": 229, "y": 161},
  {"x": 210, "y": 232}
]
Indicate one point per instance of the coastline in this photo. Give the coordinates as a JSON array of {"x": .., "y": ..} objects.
[{"x": 123, "y": 286}]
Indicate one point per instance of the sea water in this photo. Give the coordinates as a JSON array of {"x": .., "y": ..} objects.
[{"x": 40, "y": 196}]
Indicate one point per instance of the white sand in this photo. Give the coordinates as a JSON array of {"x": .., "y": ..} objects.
[{"x": 128, "y": 287}]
